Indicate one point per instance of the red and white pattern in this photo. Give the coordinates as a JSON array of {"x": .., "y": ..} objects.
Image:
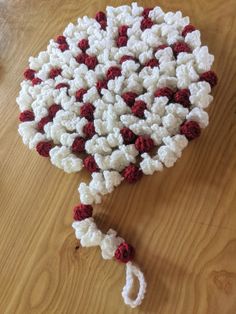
[{"x": 121, "y": 95}]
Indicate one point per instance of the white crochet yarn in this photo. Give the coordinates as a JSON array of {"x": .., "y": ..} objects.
[{"x": 162, "y": 118}]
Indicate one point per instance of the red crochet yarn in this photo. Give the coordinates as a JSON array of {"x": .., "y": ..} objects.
[
  {"x": 128, "y": 136},
  {"x": 182, "y": 97},
  {"x": 78, "y": 145},
  {"x": 132, "y": 173},
  {"x": 180, "y": 46},
  {"x": 26, "y": 115},
  {"x": 80, "y": 93},
  {"x": 82, "y": 211},
  {"x": 100, "y": 16},
  {"x": 81, "y": 58},
  {"x": 52, "y": 110},
  {"x": 124, "y": 253},
  {"x": 129, "y": 98},
  {"x": 144, "y": 144},
  {"x": 209, "y": 77},
  {"x": 113, "y": 72},
  {"x": 161, "y": 47},
  {"x": 36, "y": 81},
  {"x": 90, "y": 164},
  {"x": 83, "y": 44},
  {"x": 29, "y": 74},
  {"x": 89, "y": 130},
  {"x": 138, "y": 108},
  {"x": 126, "y": 58},
  {"x": 188, "y": 29},
  {"x": 121, "y": 41},
  {"x": 164, "y": 92},
  {"x": 62, "y": 85},
  {"x": 91, "y": 62},
  {"x": 101, "y": 84},
  {"x": 54, "y": 72},
  {"x": 43, "y": 148},
  {"x": 86, "y": 111},
  {"x": 146, "y": 23},
  {"x": 103, "y": 24},
  {"x": 190, "y": 129},
  {"x": 122, "y": 30},
  {"x": 63, "y": 47},
  {"x": 152, "y": 63},
  {"x": 61, "y": 39},
  {"x": 146, "y": 11},
  {"x": 43, "y": 122}
]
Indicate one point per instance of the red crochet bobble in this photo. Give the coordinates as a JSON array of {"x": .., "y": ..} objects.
[
  {"x": 63, "y": 47},
  {"x": 81, "y": 57},
  {"x": 26, "y": 115},
  {"x": 146, "y": 23},
  {"x": 103, "y": 24},
  {"x": 43, "y": 122},
  {"x": 144, "y": 144},
  {"x": 182, "y": 97},
  {"x": 164, "y": 92},
  {"x": 122, "y": 30},
  {"x": 152, "y": 63},
  {"x": 188, "y": 29},
  {"x": 90, "y": 164},
  {"x": 52, "y": 110},
  {"x": 80, "y": 93},
  {"x": 89, "y": 130},
  {"x": 62, "y": 85},
  {"x": 124, "y": 253},
  {"x": 29, "y": 74},
  {"x": 180, "y": 46},
  {"x": 54, "y": 72},
  {"x": 78, "y": 145},
  {"x": 91, "y": 62},
  {"x": 161, "y": 47},
  {"x": 121, "y": 41},
  {"x": 86, "y": 111},
  {"x": 36, "y": 81},
  {"x": 43, "y": 148},
  {"x": 113, "y": 72},
  {"x": 126, "y": 58},
  {"x": 101, "y": 84},
  {"x": 132, "y": 173},
  {"x": 190, "y": 129},
  {"x": 128, "y": 136},
  {"x": 100, "y": 16},
  {"x": 83, "y": 44},
  {"x": 138, "y": 108},
  {"x": 61, "y": 39},
  {"x": 82, "y": 211},
  {"x": 146, "y": 12},
  {"x": 129, "y": 98},
  {"x": 209, "y": 77}
]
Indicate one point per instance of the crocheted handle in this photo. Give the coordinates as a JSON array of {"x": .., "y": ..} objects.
[
  {"x": 111, "y": 246},
  {"x": 131, "y": 272}
]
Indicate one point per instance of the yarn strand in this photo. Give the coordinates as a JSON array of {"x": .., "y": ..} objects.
[{"x": 131, "y": 272}]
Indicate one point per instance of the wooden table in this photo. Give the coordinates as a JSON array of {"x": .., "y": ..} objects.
[{"x": 182, "y": 221}]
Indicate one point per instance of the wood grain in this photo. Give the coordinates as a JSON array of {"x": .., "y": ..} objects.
[{"x": 181, "y": 221}]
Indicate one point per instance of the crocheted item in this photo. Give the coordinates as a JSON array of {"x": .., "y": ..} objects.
[{"x": 120, "y": 94}]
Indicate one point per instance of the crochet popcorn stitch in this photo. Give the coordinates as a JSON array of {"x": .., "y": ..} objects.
[{"x": 120, "y": 94}]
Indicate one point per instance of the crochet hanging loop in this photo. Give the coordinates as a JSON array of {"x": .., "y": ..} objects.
[
  {"x": 133, "y": 271},
  {"x": 89, "y": 235}
]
